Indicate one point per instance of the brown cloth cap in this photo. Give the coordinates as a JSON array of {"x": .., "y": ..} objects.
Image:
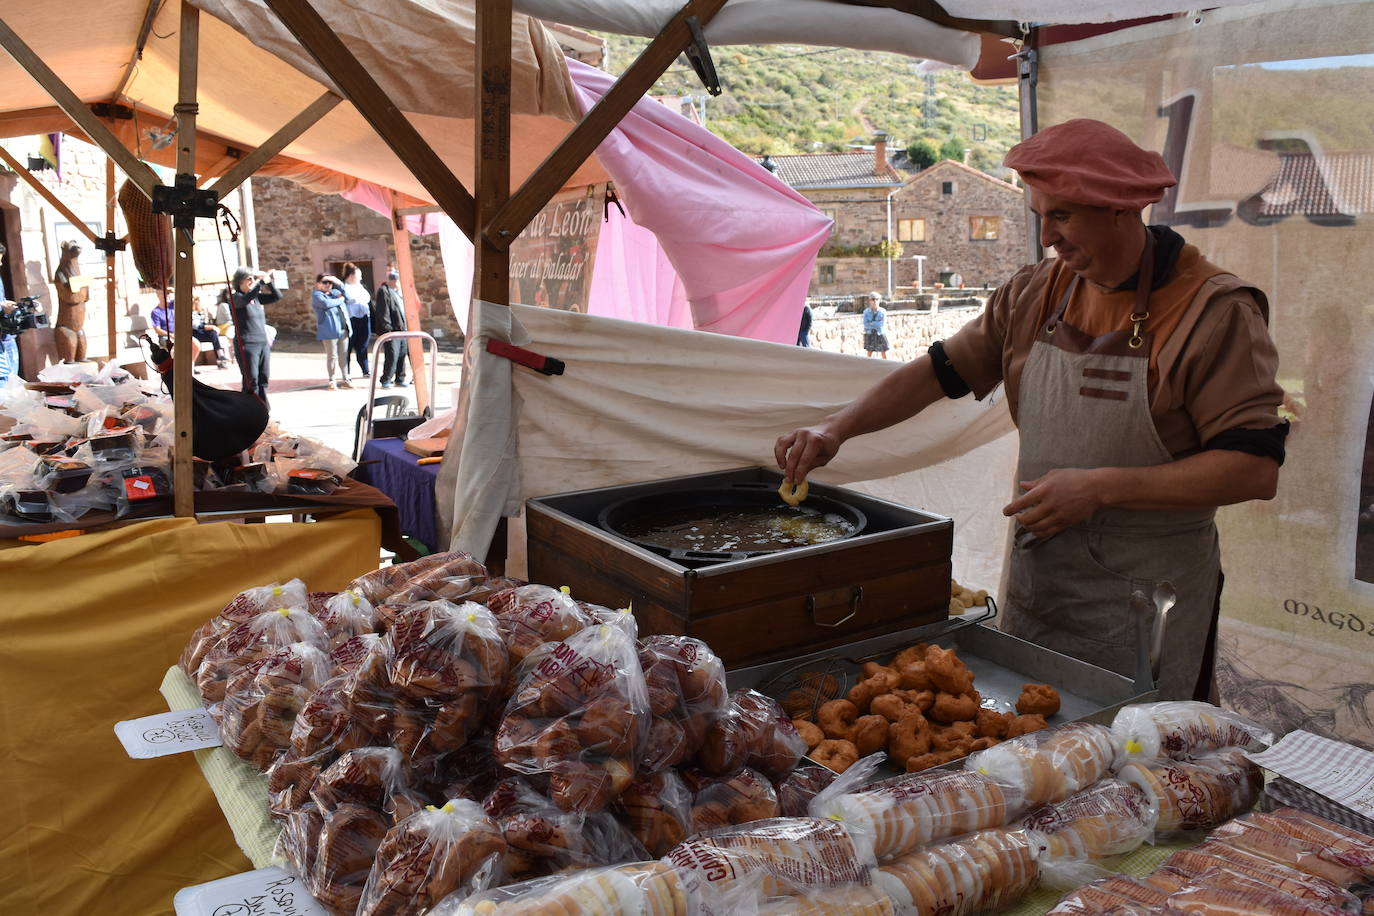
[{"x": 1091, "y": 163}]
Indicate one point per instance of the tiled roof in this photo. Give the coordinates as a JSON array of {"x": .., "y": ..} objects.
[
  {"x": 947, "y": 164},
  {"x": 1340, "y": 184},
  {"x": 834, "y": 170}
]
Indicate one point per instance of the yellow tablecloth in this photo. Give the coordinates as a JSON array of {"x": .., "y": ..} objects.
[{"x": 87, "y": 626}]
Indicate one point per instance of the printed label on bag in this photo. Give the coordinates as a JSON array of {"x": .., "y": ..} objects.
[
  {"x": 265, "y": 892},
  {"x": 168, "y": 733}
]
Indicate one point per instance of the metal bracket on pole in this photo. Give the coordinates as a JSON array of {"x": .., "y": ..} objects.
[
  {"x": 110, "y": 243},
  {"x": 185, "y": 202},
  {"x": 699, "y": 56}
]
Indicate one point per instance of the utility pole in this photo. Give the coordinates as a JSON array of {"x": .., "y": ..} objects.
[{"x": 929, "y": 110}]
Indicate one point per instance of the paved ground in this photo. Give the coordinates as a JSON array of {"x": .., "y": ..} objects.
[{"x": 301, "y": 402}]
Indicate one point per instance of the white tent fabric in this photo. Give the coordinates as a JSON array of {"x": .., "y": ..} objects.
[{"x": 639, "y": 402}]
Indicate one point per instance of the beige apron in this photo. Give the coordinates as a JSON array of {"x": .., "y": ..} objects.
[{"x": 1084, "y": 404}]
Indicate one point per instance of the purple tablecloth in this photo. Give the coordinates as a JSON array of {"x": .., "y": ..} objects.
[{"x": 387, "y": 466}]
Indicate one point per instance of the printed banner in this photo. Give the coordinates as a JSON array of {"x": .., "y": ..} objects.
[
  {"x": 551, "y": 261},
  {"x": 1266, "y": 114}
]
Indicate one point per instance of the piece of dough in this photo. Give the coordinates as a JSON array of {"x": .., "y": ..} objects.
[{"x": 792, "y": 493}]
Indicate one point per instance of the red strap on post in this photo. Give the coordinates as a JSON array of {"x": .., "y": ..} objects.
[{"x": 545, "y": 364}]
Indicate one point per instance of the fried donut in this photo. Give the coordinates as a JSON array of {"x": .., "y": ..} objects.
[
  {"x": 811, "y": 732},
  {"x": 837, "y": 717},
  {"x": 1024, "y": 725},
  {"x": 947, "y": 672},
  {"x": 835, "y": 754},
  {"x": 862, "y": 693},
  {"x": 950, "y": 739},
  {"x": 921, "y": 699},
  {"x": 916, "y": 653},
  {"x": 992, "y": 724},
  {"x": 1038, "y": 700},
  {"x": 869, "y": 734},
  {"x": 914, "y": 677},
  {"x": 934, "y": 759},
  {"x": 800, "y": 704},
  {"x": 951, "y": 708},
  {"x": 794, "y": 494},
  {"x": 872, "y": 668},
  {"x": 909, "y": 737},
  {"x": 892, "y": 707}
]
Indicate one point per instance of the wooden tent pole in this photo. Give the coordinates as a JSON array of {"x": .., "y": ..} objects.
[
  {"x": 111, "y": 329},
  {"x": 46, "y": 193},
  {"x": 184, "y": 270},
  {"x": 491, "y": 273},
  {"x": 405, "y": 266}
]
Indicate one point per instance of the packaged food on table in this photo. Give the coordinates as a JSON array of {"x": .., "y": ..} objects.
[
  {"x": 261, "y": 701},
  {"x": 772, "y": 744},
  {"x": 298, "y": 844},
  {"x": 444, "y": 583},
  {"x": 1228, "y": 894},
  {"x": 371, "y": 777},
  {"x": 1182, "y": 729},
  {"x": 430, "y": 855},
  {"x": 326, "y": 725},
  {"x": 1117, "y": 895},
  {"x": 1340, "y": 844},
  {"x": 852, "y": 900},
  {"x": 542, "y": 839},
  {"x": 1196, "y": 795},
  {"x": 380, "y": 584},
  {"x": 581, "y": 716},
  {"x": 1050, "y": 765},
  {"x": 685, "y": 681},
  {"x": 349, "y": 838},
  {"x": 724, "y": 801},
  {"x": 1303, "y": 855},
  {"x": 1182, "y": 866},
  {"x": 982, "y": 871},
  {"x": 345, "y": 614},
  {"x": 254, "y": 639},
  {"x": 622, "y": 617},
  {"x": 891, "y": 818},
  {"x": 241, "y": 608},
  {"x": 776, "y": 857},
  {"x": 650, "y": 888},
  {"x": 657, "y": 809},
  {"x": 801, "y": 786},
  {"x": 1109, "y": 818},
  {"x": 531, "y": 615}
]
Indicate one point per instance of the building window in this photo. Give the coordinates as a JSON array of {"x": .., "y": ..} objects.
[
  {"x": 982, "y": 228},
  {"x": 946, "y": 187},
  {"x": 827, "y": 273},
  {"x": 833, "y": 215},
  {"x": 911, "y": 230}
]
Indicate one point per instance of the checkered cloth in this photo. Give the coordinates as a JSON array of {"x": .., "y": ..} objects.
[{"x": 1329, "y": 778}]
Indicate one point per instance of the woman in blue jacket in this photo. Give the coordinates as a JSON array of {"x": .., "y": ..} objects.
[
  {"x": 331, "y": 326},
  {"x": 875, "y": 321}
]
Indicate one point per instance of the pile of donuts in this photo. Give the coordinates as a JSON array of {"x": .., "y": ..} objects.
[{"x": 921, "y": 708}]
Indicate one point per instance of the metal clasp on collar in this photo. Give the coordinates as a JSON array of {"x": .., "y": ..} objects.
[{"x": 1137, "y": 319}]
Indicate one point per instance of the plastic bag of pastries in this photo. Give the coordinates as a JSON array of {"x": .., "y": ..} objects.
[
  {"x": 541, "y": 839},
  {"x": 531, "y": 615},
  {"x": 254, "y": 639},
  {"x": 1198, "y": 794},
  {"x": 581, "y": 716},
  {"x": 1117, "y": 895},
  {"x": 435, "y": 852},
  {"x": 1109, "y": 818},
  {"x": 1048, "y": 766},
  {"x": 686, "y": 681},
  {"x": 243, "y": 607},
  {"x": 261, "y": 701},
  {"x": 1185, "y": 864},
  {"x": 657, "y": 810},
  {"x": 349, "y": 837},
  {"x": 345, "y": 614},
  {"x": 850, "y": 900},
  {"x": 298, "y": 843},
  {"x": 1308, "y": 857},
  {"x": 979, "y": 872},
  {"x": 772, "y": 744},
  {"x": 776, "y": 857},
  {"x": 1182, "y": 729},
  {"x": 289, "y": 781},
  {"x": 380, "y": 584},
  {"x": 1226, "y": 892},
  {"x": 724, "y": 801},
  {"x": 372, "y": 777},
  {"x": 801, "y": 786},
  {"x": 326, "y": 725},
  {"x": 1340, "y": 844},
  {"x": 889, "y": 819},
  {"x": 649, "y": 888}
]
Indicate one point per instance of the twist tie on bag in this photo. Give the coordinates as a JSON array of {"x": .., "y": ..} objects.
[
  {"x": 565, "y": 590},
  {"x": 284, "y": 611}
]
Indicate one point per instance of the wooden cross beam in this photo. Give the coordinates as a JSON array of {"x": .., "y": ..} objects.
[
  {"x": 245, "y": 167},
  {"x": 46, "y": 193}
]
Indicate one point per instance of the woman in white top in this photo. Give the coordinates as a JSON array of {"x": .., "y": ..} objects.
[{"x": 358, "y": 302}]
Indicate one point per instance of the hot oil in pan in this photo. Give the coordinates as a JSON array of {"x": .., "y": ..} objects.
[{"x": 731, "y": 528}]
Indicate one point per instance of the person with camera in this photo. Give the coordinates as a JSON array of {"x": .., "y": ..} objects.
[
  {"x": 9, "y": 344},
  {"x": 253, "y": 290},
  {"x": 331, "y": 326}
]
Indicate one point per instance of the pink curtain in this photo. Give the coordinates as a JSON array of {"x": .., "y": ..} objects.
[{"x": 632, "y": 277}]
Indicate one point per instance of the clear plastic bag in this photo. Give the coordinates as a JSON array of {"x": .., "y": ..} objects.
[
  {"x": 1182, "y": 729},
  {"x": 1225, "y": 893},
  {"x": 1339, "y": 844},
  {"x": 344, "y": 855},
  {"x": 980, "y": 872},
  {"x": 377, "y": 586},
  {"x": 326, "y": 724},
  {"x": 241, "y": 608},
  {"x": 801, "y": 786},
  {"x": 1302, "y": 855},
  {"x": 256, "y": 638},
  {"x": 298, "y": 844},
  {"x": 641, "y": 887},
  {"x": 1117, "y": 895},
  {"x": 1109, "y": 818},
  {"x": 532, "y": 615},
  {"x": 580, "y": 716},
  {"x": 657, "y": 809},
  {"x": 892, "y": 818},
  {"x": 850, "y": 900},
  {"x": 430, "y": 855},
  {"x": 773, "y": 745},
  {"x": 261, "y": 701},
  {"x": 685, "y": 681},
  {"x": 1196, "y": 795},
  {"x": 1184, "y": 864},
  {"x": 778, "y": 857},
  {"x": 344, "y": 615},
  {"x": 1048, "y": 766},
  {"x": 726, "y": 801},
  {"x": 541, "y": 838},
  {"x": 289, "y": 781}
]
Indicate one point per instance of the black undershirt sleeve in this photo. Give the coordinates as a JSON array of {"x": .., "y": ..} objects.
[
  {"x": 950, "y": 381},
  {"x": 1266, "y": 443}
]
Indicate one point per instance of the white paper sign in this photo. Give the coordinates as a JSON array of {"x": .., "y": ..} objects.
[
  {"x": 1342, "y": 772},
  {"x": 168, "y": 733},
  {"x": 265, "y": 892}
]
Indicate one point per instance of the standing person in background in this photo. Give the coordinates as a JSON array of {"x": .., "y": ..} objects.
[
  {"x": 71, "y": 306},
  {"x": 331, "y": 326},
  {"x": 804, "y": 331},
  {"x": 875, "y": 322},
  {"x": 253, "y": 290},
  {"x": 389, "y": 314},
  {"x": 9, "y": 343},
  {"x": 359, "y": 317}
]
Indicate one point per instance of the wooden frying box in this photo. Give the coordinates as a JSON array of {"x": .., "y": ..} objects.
[{"x": 891, "y": 575}]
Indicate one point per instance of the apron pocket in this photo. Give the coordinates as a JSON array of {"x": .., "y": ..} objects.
[{"x": 1151, "y": 558}]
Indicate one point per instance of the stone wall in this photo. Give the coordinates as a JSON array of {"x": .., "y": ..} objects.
[
  {"x": 305, "y": 234},
  {"x": 910, "y": 333}
]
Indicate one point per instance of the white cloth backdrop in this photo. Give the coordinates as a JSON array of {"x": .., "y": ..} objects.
[{"x": 640, "y": 402}]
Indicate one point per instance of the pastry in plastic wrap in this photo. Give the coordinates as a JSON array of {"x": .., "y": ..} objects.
[
  {"x": 326, "y": 724},
  {"x": 1196, "y": 795},
  {"x": 299, "y": 842},
  {"x": 982, "y": 871},
  {"x": 289, "y": 781},
  {"x": 649, "y": 888},
  {"x": 243, "y": 607},
  {"x": 1117, "y": 895},
  {"x": 1048, "y": 766},
  {"x": 581, "y": 716},
  {"x": 1185, "y": 864},
  {"x": 345, "y": 615},
  {"x": 380, "y": 584},
  {"x": 429, "y": 855},
  {"x": 1109, "y": 818},
  {"x": 889, "y": 819},
  {"x": 724, "y": 801},
  {"x": 1340, "y": 844},
  {"x": 254, "y": 639},
  {"x": 262, "y": 700},
  {"x": 532, "y": 615},
  {"x": 801, "y": 786},
  {"x": 1224, "y": 893},
  {"x": 1182, "y": 729},
  {"x": 772, "y": 744},
  {"x": 373, "y": 777},
  {"x": 851, "y": 900},
  {"x": 1303, "y": 855},
  {"x": 781, "y": 856},
  {"x": 542, "y": 839},
  {"x": 685, "y": 681},
  {"x": 657, "y": 809},
  {"x": 347, "y": 847}
]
